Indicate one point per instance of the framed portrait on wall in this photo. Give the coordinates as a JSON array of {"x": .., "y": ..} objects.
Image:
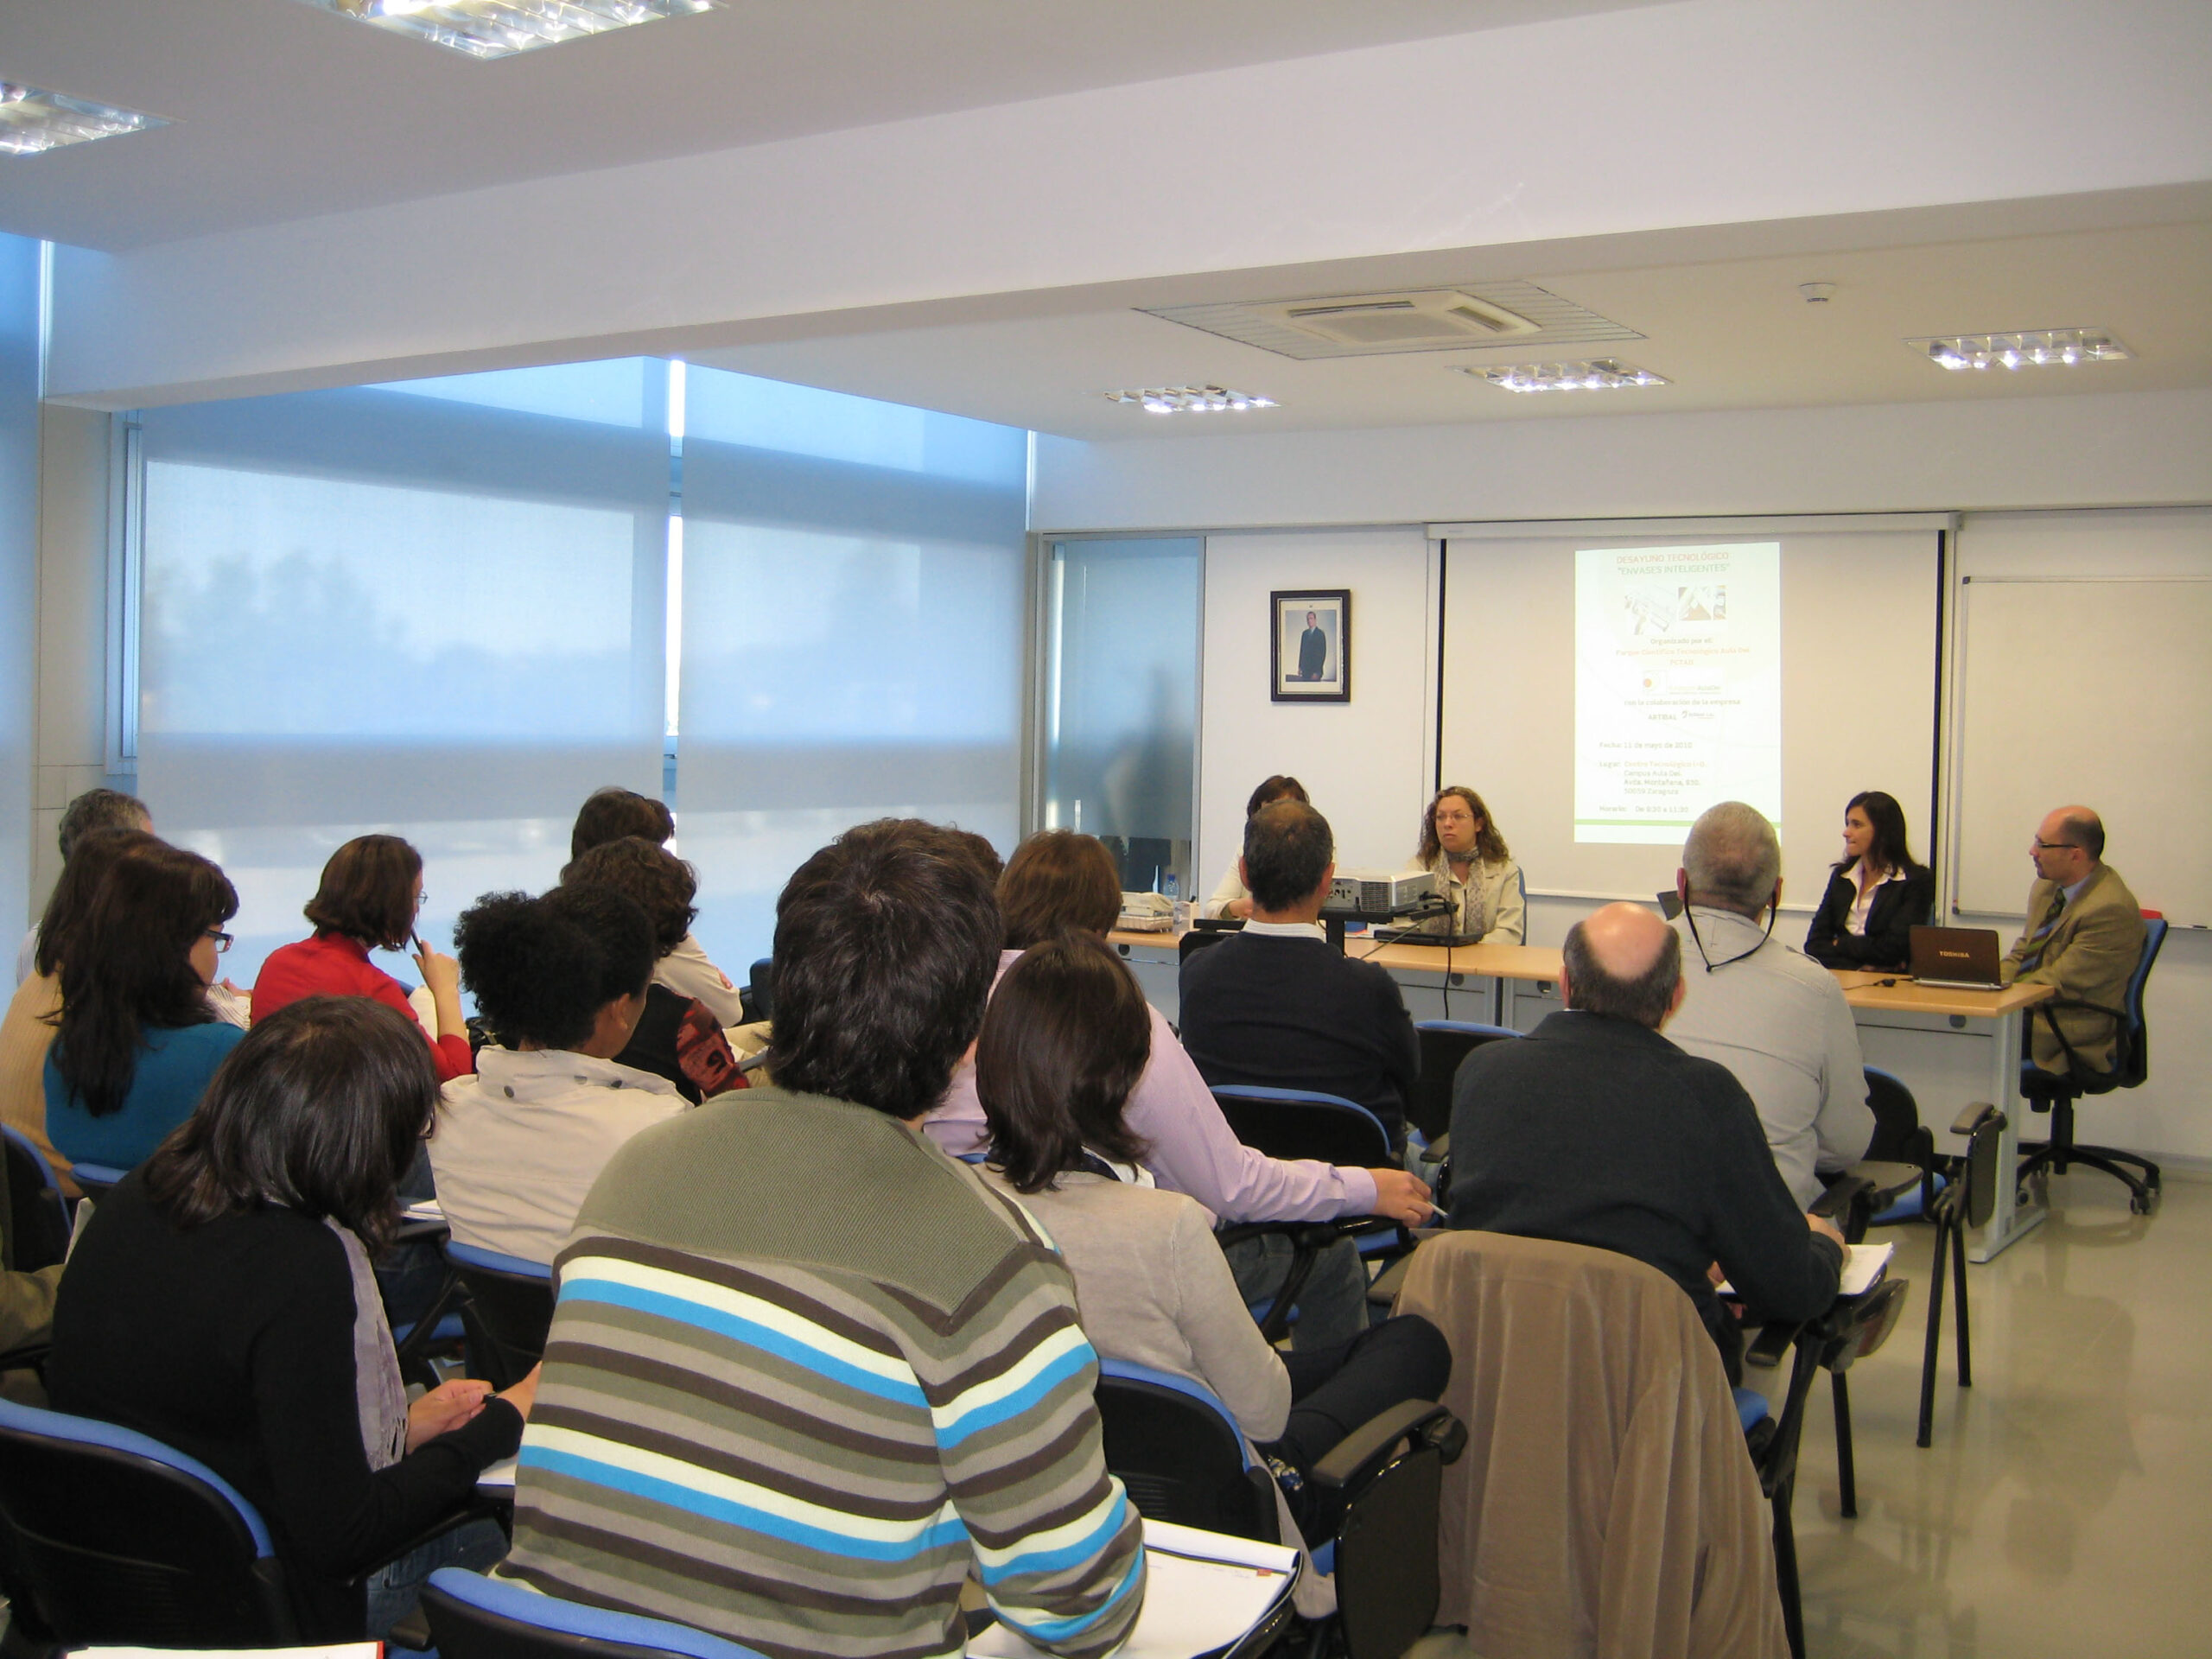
[{"x": 1311, "y": 654}]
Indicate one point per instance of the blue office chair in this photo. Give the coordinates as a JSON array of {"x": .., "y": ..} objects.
[
  {"x": 1299, "y": 1123},
  {"x": 2056, "y": 1091},
  {"x": 109, "y": 1537},
  {"x": 1183, "y": 1459},
  {"x": 472, "y": 1617},
  {"x": 506, "y": 1313},
  {"x": 92, "y": 1180},
  {"x": 38, "y": 1215}
]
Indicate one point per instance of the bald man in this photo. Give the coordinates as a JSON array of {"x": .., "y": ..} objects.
[
  {"x": 2084, "y": 934},
  {"x": 1595, "y": 1129}
]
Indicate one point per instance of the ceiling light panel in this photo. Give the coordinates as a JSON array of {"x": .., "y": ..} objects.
[
  {"x": 1515, "y": 314},
  {"x": 500, "y": 29},
  {"x": 1191, "y": 400},
  {"x": 1590, "y": 374},
  {"x": 2031, "y": 349},
  {"x": 33, "y": 122}
]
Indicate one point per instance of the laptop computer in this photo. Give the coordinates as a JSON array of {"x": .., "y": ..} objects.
[{"x": 1956, "y": 958}]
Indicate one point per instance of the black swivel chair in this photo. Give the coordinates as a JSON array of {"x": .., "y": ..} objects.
[
  {"x": 1180, "y": 1455},
  {"x": 2056, "y": 1091}
]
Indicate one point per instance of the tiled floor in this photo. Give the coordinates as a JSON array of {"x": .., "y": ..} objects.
[
  {"x": 2066, "y": 1505},
  {"x": 2065, "y": 1508}
]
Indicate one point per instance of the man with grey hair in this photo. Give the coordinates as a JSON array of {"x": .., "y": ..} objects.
[
  {"x": 2084, "y": 934},
  {"x": 1595, "y": 1129},
  {"x": 1770, "y": 1013},
  {"x": 96, "y": 809}
]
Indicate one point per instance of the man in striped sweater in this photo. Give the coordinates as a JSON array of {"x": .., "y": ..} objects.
[{"x": 806, "y": 1373}]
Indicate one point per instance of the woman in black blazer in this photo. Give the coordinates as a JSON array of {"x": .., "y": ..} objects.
[{"x": 1876, "y": 859}]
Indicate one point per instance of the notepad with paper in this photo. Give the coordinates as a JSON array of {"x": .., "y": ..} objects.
[
  {"x": 1204, "y": 1591},
  {"x": 1867, "y": 1264}
]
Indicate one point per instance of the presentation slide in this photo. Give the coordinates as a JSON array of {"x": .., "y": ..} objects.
[{"x": 1677, "y": 687}]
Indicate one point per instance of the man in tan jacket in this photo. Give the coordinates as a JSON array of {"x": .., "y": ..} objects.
[{"x": 2084, "y": 934}]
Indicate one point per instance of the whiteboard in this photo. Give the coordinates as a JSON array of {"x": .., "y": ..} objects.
[
  {"x": 1860, "y": 610},
  {"x": 2090, "y": 688}
]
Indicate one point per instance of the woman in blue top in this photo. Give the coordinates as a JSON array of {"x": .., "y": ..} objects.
[{"x": 136, "y": 1041}]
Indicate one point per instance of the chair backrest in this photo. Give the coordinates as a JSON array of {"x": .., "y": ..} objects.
[
  {"x": 509, "y": 1310},
  {"x": 1198, "y": 939},
  {"x": 1562, "y": 1435},
  {"x": 1180, "y": 1454},
  {"x": 38, "y": 1217},
  {"x": 1294, "y": 1123},
  {"x": 108, "y": 1536},
  {"x": 1444, "y": 1043},
  {"x": 1980, "y": 1174},
  {"x": 1898, "y": 1137},
  {"x": 2134, "y": 1065},
  {"x": 472, "y": 1617}
]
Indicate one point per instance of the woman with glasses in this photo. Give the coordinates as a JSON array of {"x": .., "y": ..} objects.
[
  {"x": 371, "y": 893},
  {"x": 136, "y": 1041},
  {"x": 222, "y": 1301},
  {"x": 1461, "y": 846}
]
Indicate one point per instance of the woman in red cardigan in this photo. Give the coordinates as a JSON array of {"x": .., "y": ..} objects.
[{"x": 371, "y": 890}]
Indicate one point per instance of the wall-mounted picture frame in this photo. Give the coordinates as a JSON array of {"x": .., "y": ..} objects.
[{"x": 1311, "y": 654}]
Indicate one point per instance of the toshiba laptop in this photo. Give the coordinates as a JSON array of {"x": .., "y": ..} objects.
[{"x": 1958, "y": 958}]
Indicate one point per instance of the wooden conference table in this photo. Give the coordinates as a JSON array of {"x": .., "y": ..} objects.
[{"x": 1949, "y": 1046}]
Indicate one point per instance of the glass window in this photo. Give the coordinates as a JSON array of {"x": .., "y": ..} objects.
[{"x": 1121, "y": 692}]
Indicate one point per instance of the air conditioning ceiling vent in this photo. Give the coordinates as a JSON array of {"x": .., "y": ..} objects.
[{"x": 1517, "y": 314}]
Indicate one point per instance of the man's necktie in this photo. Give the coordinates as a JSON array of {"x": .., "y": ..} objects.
[{"x": 2041, "y": 937}]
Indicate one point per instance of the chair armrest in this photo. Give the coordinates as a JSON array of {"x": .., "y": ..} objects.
[
  {"x": 1972, "y": 1117},
  {"x": 1366, "y": 1447},
  {"x": 31, "y": 1357},
  {"x": 1305, "y": 1235},
  {"x": 1849, "y": 1202},
  {"x": 480, "y": 1506},
  {"x": 2052, "y": 1003}
]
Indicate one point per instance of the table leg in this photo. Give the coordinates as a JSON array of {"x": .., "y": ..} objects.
[{"x": 2011, "y": 1219}]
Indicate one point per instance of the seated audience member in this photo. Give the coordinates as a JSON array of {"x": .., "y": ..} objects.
[
  {"x": 2084, "y": 934},
  {"x": 1065, "y": 1040},
  {"x": 1460, "y": 846},
  {"x": 610, "y": 814},
  {"x": 136, "y": 1041},
  {"x": 221, "y": 1301},
  {"x": 1232, "y": 900},
  {"x": 1060, "y": 881},
  {"x": 793, "y": 1288},
  {"x": 1877, "y": 893},
  {"x": 27, "y": 1032},
  {"x": 1594, "y": 1129},
  {"x": 562, "y": 982},
  {"x": 1773, "y": 1017},
  {"x": 370, "y": 895},
  {"x": 96, "y": 809},
  {"x": 1278, "y": 1005},
  {"x": 677, "y": 1037}
]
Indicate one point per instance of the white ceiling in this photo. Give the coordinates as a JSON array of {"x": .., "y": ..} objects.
[
  {"x": 1729, "y": 334},
  {"x": 282, "y": 111}
]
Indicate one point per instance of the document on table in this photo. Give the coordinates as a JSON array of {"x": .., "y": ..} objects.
[
  {"x": 1204, "y": 1591},
  {"x": 1867, "y": 1264}
]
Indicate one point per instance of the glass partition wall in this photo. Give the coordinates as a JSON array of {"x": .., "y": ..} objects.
[{"x": 1120, "y": 701}]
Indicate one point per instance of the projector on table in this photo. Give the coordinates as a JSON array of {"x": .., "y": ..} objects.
[{"x": 1378, "y": 895}]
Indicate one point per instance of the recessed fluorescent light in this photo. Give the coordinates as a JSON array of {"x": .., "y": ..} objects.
[
  {"x": 1590, "y": 374},
  {"x": 33, "y": 122},
  {"x": 1190, "y": 400},
  {"x": 2032, "y": 347},
  {"x": 500, "y": 29}
]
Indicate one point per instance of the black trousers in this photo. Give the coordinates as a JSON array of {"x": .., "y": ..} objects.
[{"x": 1334, "y": 1390}]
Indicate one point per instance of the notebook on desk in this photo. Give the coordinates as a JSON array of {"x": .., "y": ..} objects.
[{"x": 1956, "y": 958}]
